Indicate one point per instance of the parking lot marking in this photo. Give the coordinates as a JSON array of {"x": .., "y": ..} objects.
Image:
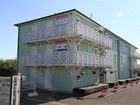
[
  {"x": 109, "y": 94},
  {"x": 34, "y": 99},
  {"x": 56, "y": 103},
  {"x": 114, "y": 93},
  {"x": 120, "y": 90}
]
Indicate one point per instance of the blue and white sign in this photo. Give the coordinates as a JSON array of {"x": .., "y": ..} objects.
[
  {"x": 62, "y": 20},
  {"x": 61, "y": 46}
]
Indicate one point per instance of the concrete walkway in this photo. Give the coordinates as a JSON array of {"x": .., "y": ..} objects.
[{"x": 123, "y": 96}]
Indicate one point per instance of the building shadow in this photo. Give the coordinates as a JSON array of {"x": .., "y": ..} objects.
[{"x": 43, "y": 97}]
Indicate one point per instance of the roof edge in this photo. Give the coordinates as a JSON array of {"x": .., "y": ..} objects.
[{"x": 18, "y": 24}]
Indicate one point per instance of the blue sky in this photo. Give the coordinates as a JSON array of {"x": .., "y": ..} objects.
[{"x": 120, "y": 16}]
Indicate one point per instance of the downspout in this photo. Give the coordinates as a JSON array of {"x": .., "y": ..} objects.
[
  {"x": 17, "y": 65},
  {"x": 118, "y": 59},
  {"x": 130, "y": 63}
]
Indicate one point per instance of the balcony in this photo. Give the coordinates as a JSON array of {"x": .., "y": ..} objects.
[
  {"x": 70, "y": 30},
  {"x": 135, "y": 55},
  {"x": 67, "y": 59}
]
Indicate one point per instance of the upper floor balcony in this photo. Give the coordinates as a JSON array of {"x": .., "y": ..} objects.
[
  {"x": 135, "y": 55},
  {"x": 67, "y": 59},
  {"x": 69, "y": 30}
]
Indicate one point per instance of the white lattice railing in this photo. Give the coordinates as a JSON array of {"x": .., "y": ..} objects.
[
  {"x": 135, "y": 55},
  {"x": 70, "y": 30},
  {"x": 93, "y": 35},
  {"x": 89, "y": 59},
  {"x": 66, "y": 58},
  {"x": 37, "y": 60}
]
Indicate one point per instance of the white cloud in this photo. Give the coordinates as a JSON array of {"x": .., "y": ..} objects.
[{"x": 120, "y": 13}]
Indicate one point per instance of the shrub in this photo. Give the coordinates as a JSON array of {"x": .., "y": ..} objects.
[{"x": 7, "y": 67}]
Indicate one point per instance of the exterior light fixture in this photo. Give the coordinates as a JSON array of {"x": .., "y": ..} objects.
[
  {"x": 101, "y": 28},
  {"x": 104, "y": 72},
  {"x": 111, "y": 72},
  {"x": 77, "y": 19},
  {"x": 82, "y": 73},
  {"x": 78, "y": 77},
  {"x": 93, "y": 72}
]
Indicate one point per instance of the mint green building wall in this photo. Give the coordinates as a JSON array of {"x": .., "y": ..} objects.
[
  {"x": 40, "y": 77},
  {"x": 133, "y": 62},
  {"x": 87, "y": 79},
  {"x": 112, "y": 53},
  {"x": 84, "y": 21},
  {"x": 21, "y": 49},
  {"x": 124, "y": 60},
  {"x": 120, "y": 59},
  {"x": 62, "y": 80}
]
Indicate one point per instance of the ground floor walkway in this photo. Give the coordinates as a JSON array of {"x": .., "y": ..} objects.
[{"x": 123, "y": 96}]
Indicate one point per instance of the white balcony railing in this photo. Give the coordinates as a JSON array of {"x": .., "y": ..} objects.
[
  {"x": 68, "y": 30},
  {"x": 66, "y": 58},
  {"x": 135, "y": 55}
]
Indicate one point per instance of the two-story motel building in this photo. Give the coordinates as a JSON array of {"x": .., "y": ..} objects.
[{"x": 68, "y": 50}]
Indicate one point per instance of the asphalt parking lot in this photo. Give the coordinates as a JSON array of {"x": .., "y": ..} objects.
[{"x": 123, "y": 96}]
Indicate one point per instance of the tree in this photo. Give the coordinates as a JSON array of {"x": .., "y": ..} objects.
[{"x": 7, "y": 67}]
